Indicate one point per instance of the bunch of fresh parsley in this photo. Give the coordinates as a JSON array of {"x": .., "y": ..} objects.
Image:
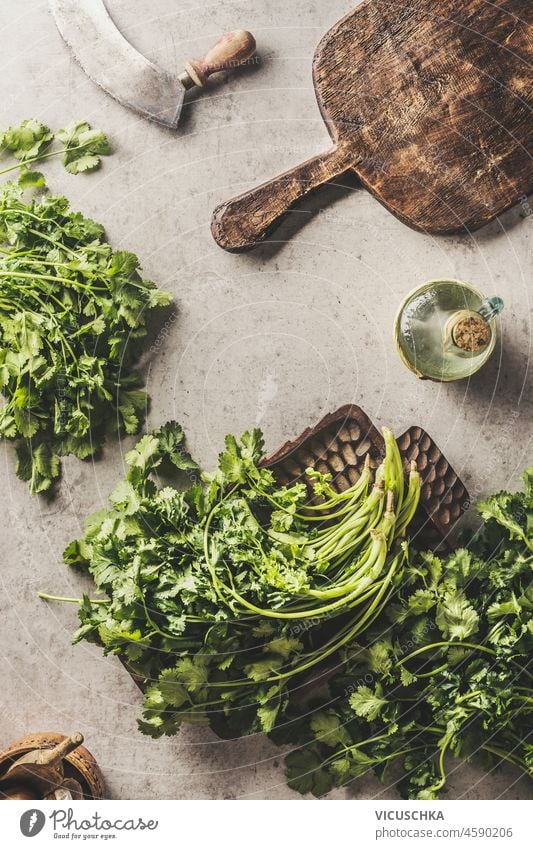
[
  {"x": 226, "y": 597},
  {"x": 72, "y": 321},
  {"x": 203, "y": 588},
  {"x": 445, "y": 669}
]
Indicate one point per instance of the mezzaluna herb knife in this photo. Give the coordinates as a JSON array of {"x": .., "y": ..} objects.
[
  {"x": 226, "y": 597},
  {"x": 73, "y": 317}
]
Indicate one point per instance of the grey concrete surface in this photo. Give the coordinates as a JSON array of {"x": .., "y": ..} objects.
[{"x": 275, "y": 338}]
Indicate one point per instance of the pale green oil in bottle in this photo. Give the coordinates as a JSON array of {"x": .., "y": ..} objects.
[{"x": 446, "y": 330}]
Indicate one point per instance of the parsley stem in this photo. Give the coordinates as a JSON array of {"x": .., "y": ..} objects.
[
  {"x": 362, "y": 622},
  {"x": 506, "y": 756},
  {"x": 443, "y": 750},
  {"x": 442, "y": 644},
  {"x": 489, "y": 748},
  {"x": 350, "y": 496},
  {"x": 467, "y": 696},
  {"x": 525, "y": 689},
  {"x": 48, "y": 597},
  {"x": 460, "y": 645},
  {"x": 36, "y": 259},
  {"x": 39, "y": 158},
  {"x": 62, "y": 337},
  {"x": 433, "y": 729},
  {"x": 28, "y": 292},
  {"x": 335, "y": 755},
  {"x": 376, "y": 739},
  {"x": 53, "y": 277},
  {"x": 433, "y": 672},
  {"x": 49, "y": 238}
]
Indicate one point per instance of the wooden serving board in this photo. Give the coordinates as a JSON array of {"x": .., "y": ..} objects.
[
  {"x": 429, "y": 102},
  {"x": 339, "y": 444}
]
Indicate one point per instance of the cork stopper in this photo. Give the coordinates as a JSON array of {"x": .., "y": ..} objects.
[{"x": 469, "y": 331}]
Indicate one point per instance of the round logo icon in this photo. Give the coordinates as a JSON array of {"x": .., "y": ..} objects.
[{"x": 32, "y": 822}]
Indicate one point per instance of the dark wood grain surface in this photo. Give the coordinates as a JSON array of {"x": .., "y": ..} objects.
[
  {"x": 429, "y": 102},
  {"x": 339, "y": 445}
]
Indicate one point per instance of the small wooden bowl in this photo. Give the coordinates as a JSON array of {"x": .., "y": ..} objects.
[{"x": 79, "y": 764}]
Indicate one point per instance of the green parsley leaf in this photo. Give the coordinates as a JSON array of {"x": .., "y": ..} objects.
[
  {"x": 306, "y": 774},
  {"x": 83, "y": 147},
  {"x": 456, "y": 618},
  {"x": 27, "y": 141},
  {"x": 368, "y": 703},
  {"x": 31, "y": 179},
  {"x": 326, "y": 726}
]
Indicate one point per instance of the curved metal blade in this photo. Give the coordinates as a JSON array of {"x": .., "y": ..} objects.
[{"x": 111, "y": 61}]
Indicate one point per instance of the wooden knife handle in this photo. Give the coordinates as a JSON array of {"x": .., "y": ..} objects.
[
  {"x": 231, "y": 50},
  {"x": 240, "y": 223}
]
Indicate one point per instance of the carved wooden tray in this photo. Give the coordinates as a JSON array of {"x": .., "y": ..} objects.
[{"x": 339, "y": 444}]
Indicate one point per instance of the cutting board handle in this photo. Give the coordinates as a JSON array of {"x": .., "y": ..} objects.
[{"x": 242, "y": 222}]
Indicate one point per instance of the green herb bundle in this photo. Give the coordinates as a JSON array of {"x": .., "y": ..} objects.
[
  {"x": 445, "y": 669},
  {"x": 225, "y": 597},
  {"x": 72, "y": 321}
]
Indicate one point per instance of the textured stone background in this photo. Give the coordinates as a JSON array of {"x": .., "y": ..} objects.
[{"x": 277, "y": 338}]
